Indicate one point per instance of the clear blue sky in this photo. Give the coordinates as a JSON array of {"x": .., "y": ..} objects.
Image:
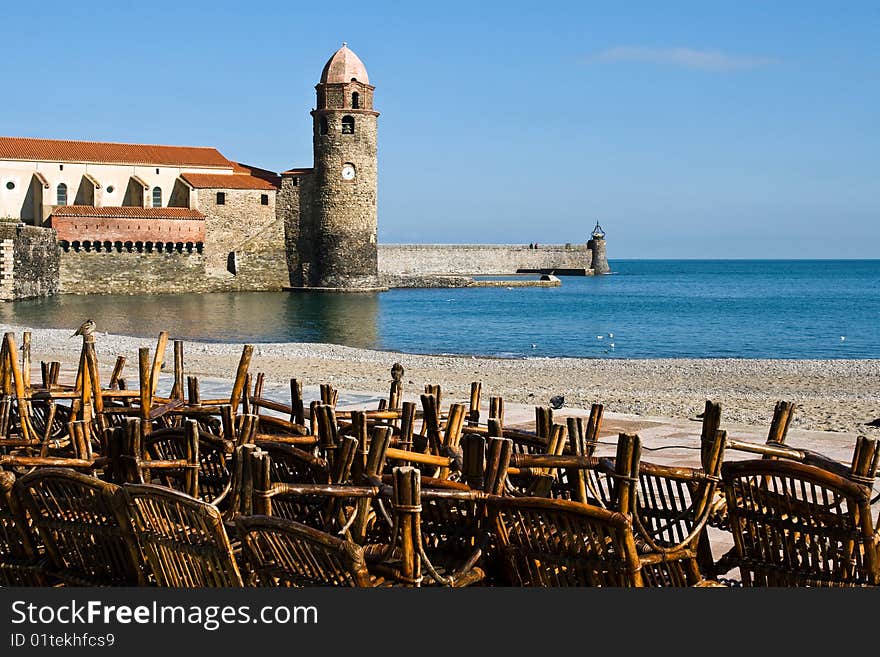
[{"x": 689, "y": 129}]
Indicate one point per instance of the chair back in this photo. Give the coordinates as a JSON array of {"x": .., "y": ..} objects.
[
  {"x": 18, "y": 558},
  {"x": 553, "y": 543},
  {"x": 83, "y": 527},
  {"x": 799, "y": 525},
  {"x": 281, "y": 552},
  {"x": 183, "y": 539}
]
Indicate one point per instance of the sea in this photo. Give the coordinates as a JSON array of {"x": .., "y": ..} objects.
[{"x": 788, "y": 309}]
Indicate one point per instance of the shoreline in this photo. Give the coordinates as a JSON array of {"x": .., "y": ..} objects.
[{"x": 832, "y": 395}]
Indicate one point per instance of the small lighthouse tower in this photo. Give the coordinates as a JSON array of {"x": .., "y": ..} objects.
[{"x": 597, "y": 247}]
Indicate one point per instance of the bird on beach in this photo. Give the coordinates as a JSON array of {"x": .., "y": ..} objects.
[
  {"x": 86, "y": 328},
  {"x": 557, "y": 402}
]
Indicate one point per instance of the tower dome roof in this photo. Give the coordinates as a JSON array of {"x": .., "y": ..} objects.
[{"x": 344, "y": 66}]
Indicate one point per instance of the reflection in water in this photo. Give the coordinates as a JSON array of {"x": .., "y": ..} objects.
[
  {"x": 653, "y": 309},
  {"x": 224, "y": 317}
]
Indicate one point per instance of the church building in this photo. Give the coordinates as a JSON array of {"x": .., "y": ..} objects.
[{"x": 189, "y": 218}]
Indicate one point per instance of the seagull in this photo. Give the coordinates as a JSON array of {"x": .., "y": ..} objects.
[
  {"x": 610, "y": 335},
  {"x": 611, "y": 344},
  {"x": 86, "y": 328},
  {"x": 842, "y": 338},
  {"x": 599, "y": 337},
  {"x": 557, "y": 402},
  {"x": 534, "y": 346}
]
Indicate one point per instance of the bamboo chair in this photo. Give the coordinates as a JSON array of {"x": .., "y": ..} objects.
[
  {"x": 450, "y": 538},
  {"x": 170, "y": 457},
  {"x": 668, "y": 506},
  {"x": 796, "y": 524},
  {"x": 774, "y": 447},
  {"x": 83, "y": 528},
  {"x": 329, "y": 506},
  {"x": 278, "y": 552},
  {"x": 560, "y": 543},
  {"x": 20, "y": 562},
  {"x": 183, "y": 539}
]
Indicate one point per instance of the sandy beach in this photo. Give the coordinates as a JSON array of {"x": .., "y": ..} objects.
[{"x": 832, "y": 395}]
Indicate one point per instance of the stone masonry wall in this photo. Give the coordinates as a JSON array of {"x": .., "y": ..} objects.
[
  {"x": 476, "y": 259},
  {"x": 29, "y": 259},
  {"x": 133, "y": 273},
  {"x": 253, "y": 232},
  {"x": 294, "y": 207}
]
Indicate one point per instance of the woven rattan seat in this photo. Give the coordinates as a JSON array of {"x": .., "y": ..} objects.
[
  {"x": 278, "y": 552},
  {"x": 20, "y": 563},
  {"x": 183, "y": 539},
  {"x": 795, "y": 524},
  {"x": 83, "y": 528}
]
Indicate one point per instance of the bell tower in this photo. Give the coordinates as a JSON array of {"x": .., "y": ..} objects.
[{"x": 344, "y": 201}]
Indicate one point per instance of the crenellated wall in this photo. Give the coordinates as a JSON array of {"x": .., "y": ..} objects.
[{"x": 479, "y": 259}]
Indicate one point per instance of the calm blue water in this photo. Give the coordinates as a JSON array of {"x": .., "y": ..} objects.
[{"x": 653, "y": 309}]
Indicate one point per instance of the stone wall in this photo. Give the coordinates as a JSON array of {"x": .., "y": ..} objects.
[
  {"x": 479, "y": 259},
  {"x": 294, "y": 207},
  {"x": 244, "y": 240},
  {"x": 104, "y": 272},
  {"x": 29, "y": 259}
]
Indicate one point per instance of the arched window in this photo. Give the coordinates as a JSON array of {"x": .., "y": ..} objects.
[
  {"x": 62, "y": 194},
  {"x": 355, "y": 100},
  {"x": 157, "y": 197},
  {"x": 322, "y": 125},
  {"x": 348, "y": 125}
]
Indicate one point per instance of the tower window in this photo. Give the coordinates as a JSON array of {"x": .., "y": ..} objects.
[
  {"x": 221, "y": 198},
  {"x": 232, "y": 263},
  {"x": 348, "y": 125},
  {"x": 264, "y": 199},
  {"x": 322, "y": 125},
  {"x": 62, "y": 194},
  {"x": 295, "y": 182},
  {"x": 157, "y": 197},
  {"x": 355, "y": 100}
]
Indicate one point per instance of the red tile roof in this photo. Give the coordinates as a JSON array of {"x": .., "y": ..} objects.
[
  {"x": 298, "y": 172},
  {"x": 53, "y": 150},
  {"x": 265, "y": 174},
  {"x": 111, "y": 212},
  {"x": 226, "y": 181}
]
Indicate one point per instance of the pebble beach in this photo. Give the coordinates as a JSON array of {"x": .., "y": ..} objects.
[{"x": 831, "y": 395}]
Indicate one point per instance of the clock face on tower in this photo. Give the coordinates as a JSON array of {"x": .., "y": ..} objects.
[{"x": 348, "y": 171}]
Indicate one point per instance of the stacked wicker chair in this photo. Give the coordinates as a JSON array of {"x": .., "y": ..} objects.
[
  {"x": 182, "y": 539},
  {"x": 103, "y": 485},
  {"x": 83, "y": 528},
  {"x": 20, "y": 562},
  {"x": 796, "y": 524},
  {"x": 279, "y": 552}
]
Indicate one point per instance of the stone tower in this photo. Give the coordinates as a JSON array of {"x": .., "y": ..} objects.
[
  {"x": 344, "y": 201},
  {"x": 596, "y": 244}
]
